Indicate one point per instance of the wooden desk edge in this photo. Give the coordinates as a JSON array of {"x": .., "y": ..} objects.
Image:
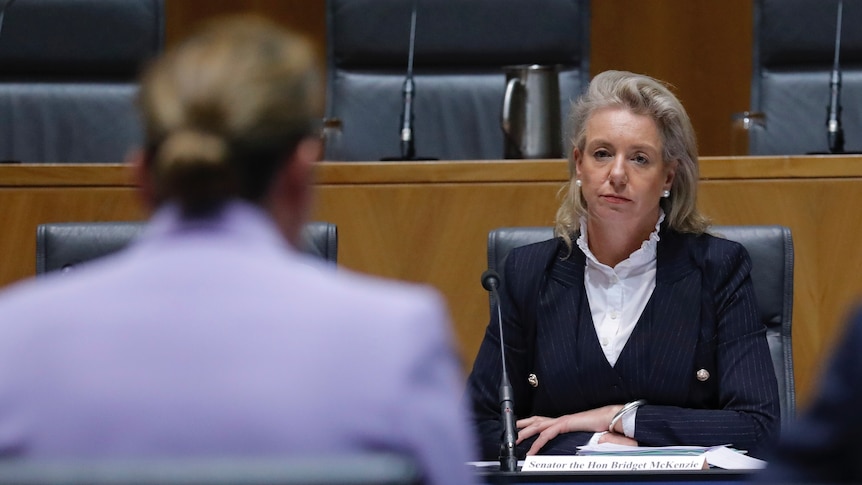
[{"x": 466, "y": 171}]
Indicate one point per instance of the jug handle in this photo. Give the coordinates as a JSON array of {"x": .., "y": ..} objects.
[{"x": 506, "y": 121}]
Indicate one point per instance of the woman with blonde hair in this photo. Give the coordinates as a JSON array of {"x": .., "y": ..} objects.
[{"x": 633, "y": 325}]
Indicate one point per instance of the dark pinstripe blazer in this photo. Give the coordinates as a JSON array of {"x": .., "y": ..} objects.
[{"x": 701, "y": 315}]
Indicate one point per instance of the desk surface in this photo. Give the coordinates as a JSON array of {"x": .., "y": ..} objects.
[{"x": 712, "y": 476}]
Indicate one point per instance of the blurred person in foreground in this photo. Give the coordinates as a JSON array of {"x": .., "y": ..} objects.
[
  {"x": 212, "y": 335},
  {"x": 633, "y": 325},
  {"x": 823, "y": 445}
]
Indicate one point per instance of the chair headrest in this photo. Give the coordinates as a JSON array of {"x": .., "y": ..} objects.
[
  {"x": 80, "y": 38},
  {"x": 801, "y": 33},
  {"x": 457, "y": 33}
]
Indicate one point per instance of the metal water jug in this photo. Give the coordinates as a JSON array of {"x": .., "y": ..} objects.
[{"x": 531, "y": 112}]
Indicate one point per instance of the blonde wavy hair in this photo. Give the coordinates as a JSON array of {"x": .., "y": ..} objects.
[{"x": 641, "y": 95}]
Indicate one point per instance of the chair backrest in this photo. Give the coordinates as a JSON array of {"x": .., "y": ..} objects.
[
  {"x": 344, "y": 469},
  {"x": 62, "y": 245},
  {"x": 68, "y": 77},
  {"x": 771, "y": 252},
  {"x": 794, "y": 48},
  {"x": 460, "y": 49}
]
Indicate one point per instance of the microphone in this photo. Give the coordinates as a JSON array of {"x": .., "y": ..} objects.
[
  {"x": 834, "y": 132},
  {"x": 508, "y": 460},
  {"x": 408, "y": 89},
  {"x": 408, "y": 149}
]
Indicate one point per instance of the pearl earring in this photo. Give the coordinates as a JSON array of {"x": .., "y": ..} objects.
[
  {"x": 665, "y": 194},
  {"x": 578, "y": 182}
]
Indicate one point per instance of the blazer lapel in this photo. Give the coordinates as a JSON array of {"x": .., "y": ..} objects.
[
  {"x": 674, "y": 320},
  {"x": 560, "y": 306},
  {"x": 568, "y": 272},
  {"x": 569, "y": 328}
]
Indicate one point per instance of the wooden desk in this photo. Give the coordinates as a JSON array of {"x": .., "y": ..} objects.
[{"x": 428, "y": 222}]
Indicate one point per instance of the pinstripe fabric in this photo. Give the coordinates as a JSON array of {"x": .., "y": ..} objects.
[{"x": 702, "y": 315}]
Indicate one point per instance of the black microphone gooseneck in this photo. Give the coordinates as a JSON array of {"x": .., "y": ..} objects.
[
  {"x": 834, "y": 132},
  {"x": 508, "y": 460},
  {"x": 6, "y": 5},
  {"x": 408, "y": 90},
  {"x": 408, "y": 150}
]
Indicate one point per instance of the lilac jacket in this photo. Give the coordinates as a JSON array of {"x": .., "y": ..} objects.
[{"x": 214, "y": 337}]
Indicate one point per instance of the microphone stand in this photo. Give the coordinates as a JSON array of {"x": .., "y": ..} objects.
[
  {"x": 408, "y": 149},
  {"x": 834, "y": 131},
  {"x": 508, "y": 460}
]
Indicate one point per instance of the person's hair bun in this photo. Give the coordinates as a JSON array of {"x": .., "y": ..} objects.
[
  {"x": 192, "y": 166},
  {"x": 191, "y": 147}
]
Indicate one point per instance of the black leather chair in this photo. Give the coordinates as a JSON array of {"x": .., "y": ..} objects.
[
  {"x": 461, "y": 47},
  {"x": 345, "y": 469},
  {"x": 62, "y": 245},
  {"x": 771, "y": 252},
  {"x": 68, "y": 77},
  {"x": 794, "y": 46}
]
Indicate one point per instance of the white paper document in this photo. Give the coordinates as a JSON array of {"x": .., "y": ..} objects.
[
  {"x": 724, "y": 457},
  {"x": 717, "y": 456}
]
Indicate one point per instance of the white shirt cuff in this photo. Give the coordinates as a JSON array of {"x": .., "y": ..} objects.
[
  {"x": 595, "y": 439},
  {"x": 629, "y": 423}
]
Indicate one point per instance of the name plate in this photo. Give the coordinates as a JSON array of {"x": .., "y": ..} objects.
[{"x": 599, "y": 463}]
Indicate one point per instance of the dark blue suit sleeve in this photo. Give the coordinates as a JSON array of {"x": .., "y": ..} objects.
[{"x": 823, "y": 446}]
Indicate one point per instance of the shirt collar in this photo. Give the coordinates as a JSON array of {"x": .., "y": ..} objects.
[{"x": 644, "y": 255}]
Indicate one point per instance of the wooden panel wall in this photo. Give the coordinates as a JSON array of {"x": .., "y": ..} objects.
[
  {"x": 701, "y": 48},
  {"x": 305, "y": 16}
]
